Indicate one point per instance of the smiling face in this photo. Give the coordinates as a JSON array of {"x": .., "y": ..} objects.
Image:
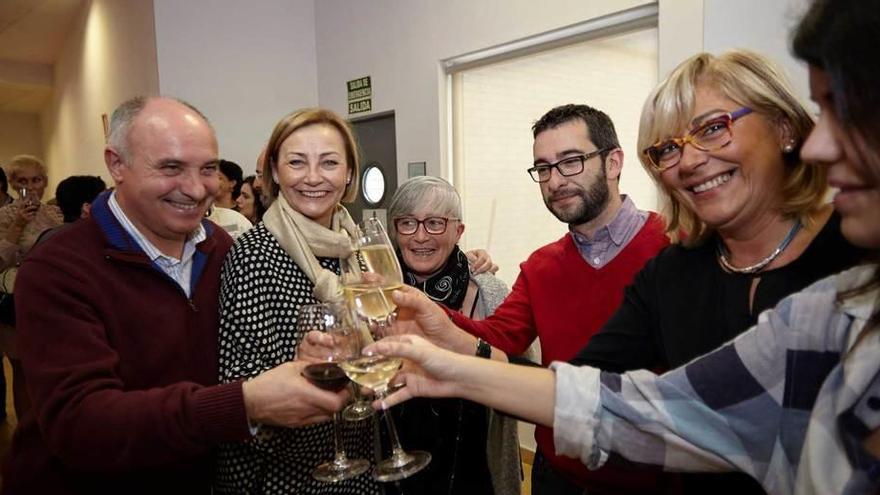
[
  {"x": 426, "y": 253},
  {"x": 169, "y": 178},
  {"x": 312, "y": 171},
  {"x": 858, "y": 192},
  {"x": 735, "y": 186},
  {"x": 576, "y": 199}
]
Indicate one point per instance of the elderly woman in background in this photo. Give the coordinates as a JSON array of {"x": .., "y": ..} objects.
[
  {"x": 290, "y": 259},
  {"x": 21, "y": 223},
  {"x": 248, "y": 202},
  {"x": 474, "y": 449}
]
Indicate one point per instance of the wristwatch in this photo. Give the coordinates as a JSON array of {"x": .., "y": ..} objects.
[{"x": 484, "y": 350}]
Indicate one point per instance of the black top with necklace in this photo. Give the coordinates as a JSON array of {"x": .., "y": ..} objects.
[
  {"x": 454, "y": 431},
  {"x": 684, "y": 304}
]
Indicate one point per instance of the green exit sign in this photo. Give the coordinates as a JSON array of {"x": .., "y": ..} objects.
[{"x": 360, "y": 95}]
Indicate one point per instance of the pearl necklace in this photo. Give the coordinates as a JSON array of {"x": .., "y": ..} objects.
[{"x": 721, "y": 251}]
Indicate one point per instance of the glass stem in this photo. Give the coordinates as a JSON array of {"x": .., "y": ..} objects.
[
  {"x": 396, "y": 450},
  {"x": 337, "y": 440}
]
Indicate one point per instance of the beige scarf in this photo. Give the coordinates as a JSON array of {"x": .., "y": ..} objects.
[{"x": 303, "y": 239}]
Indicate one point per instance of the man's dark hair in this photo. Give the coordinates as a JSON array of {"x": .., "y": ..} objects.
[
  {"x": 600, "y": 129},
  {"x": 232, "y": 172},
  {"x": 75, "y": 191},
  {"x": 4, "y": 182}
]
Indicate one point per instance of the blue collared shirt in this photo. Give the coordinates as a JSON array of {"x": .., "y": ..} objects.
[
  {"x": 609, "y": 240},
  {"x": 180, "y": 270}
]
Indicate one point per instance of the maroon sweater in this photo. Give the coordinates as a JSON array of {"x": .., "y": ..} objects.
[
  {"x": 563, "y": 300},
  {"x": 121, "y": 367}
]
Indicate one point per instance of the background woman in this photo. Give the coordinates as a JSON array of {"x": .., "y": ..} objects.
[
  {"x": 474, "y": 449},
  {"x": 290, "y": 259},
  {"x": 248, "y": 202},
  {"x": 21, "y": 223},
  {"x": 792, "y": 402},
  {"x": 721, "y": 136}
]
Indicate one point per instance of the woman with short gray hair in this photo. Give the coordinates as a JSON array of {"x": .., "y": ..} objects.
[{"x": 474, "y": 449}]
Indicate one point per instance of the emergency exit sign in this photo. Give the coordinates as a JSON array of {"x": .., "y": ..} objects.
[{"x": 360, "y": 95}]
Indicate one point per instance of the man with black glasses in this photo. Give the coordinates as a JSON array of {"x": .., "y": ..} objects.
[{"x": 566, "y": 290}]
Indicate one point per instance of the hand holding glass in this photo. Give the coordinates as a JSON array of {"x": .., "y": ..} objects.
[
  {"x": 336, "y": 322},
  {"x": 371, "y": 275},
  {"x": 375, "y": 371}
]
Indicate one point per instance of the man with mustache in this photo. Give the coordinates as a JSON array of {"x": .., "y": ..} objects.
[
  {"x": 566, "y": 290},
  {"x": 118, "y": 318}
]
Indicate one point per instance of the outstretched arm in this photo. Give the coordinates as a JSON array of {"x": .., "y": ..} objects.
[
  {"x": 418, "y": 315},
  {"x": 518, "y": 390}
]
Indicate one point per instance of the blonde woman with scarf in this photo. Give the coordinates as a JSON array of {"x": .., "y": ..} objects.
[{"x": 289, "y": 260}]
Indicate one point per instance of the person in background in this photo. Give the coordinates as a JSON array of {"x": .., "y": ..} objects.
[
  {"x": 118, "y": 317},
  {"x": 233, "y": 222},
  {"x": 793, "y": 401},
  {"x": 473, "y": 449},
  {"x": 231, "y": 178},
  {"x": 5, "y": 197},
  {"x": 290, "y": 259},
  {"x": 248, "y": 202},
  {"x": 21, "y": 223},
  {"x": 577, "y": 162},
  {"x": 75, "y": 195}
]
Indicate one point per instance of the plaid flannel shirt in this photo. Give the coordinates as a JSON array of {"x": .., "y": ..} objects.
[{"x": 789, "y": 402}]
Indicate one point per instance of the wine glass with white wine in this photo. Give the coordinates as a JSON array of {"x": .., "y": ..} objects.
[
  {"x": 335, "y": 320},
  {"x": 371, "y": 276},
  {"x": 374, "y": 371}
]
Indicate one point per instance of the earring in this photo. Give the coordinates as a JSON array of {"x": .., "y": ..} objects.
[{"x": 788, "y": 148}]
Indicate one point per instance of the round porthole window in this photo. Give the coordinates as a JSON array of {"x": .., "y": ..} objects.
[{"x": 373, "y": 184}]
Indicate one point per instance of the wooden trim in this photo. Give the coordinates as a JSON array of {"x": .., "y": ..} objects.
[{"x": 527, "y": 456}]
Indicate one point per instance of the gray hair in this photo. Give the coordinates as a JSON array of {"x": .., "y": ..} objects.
[
  {"x": 124, "y": 115},
  {"x": 425, "y": 192},
  {"x": 21, "y": 162}
]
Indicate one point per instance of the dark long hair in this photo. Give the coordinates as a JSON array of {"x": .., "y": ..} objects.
[
  {"x": 839, "y": 36},
  {"x": 259, "y": 208}
]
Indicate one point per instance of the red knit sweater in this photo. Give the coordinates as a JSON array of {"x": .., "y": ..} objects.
[{"x": 563, "y": 300}]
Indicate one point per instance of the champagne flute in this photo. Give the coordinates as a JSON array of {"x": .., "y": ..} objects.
[
  {"x": 374, "y": 371},
  {"x": 372, "y": 275},
  {"x": 335, "y": 320}
]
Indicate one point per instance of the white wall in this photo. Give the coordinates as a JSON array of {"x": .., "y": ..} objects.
[
  {"x": 244, "y": 64},
  {"x": 760, "y": 25},
  {"x": 20, "y": 134},
  {"x": 401, "y": 44},
  {"x": 109, "y": 56}
]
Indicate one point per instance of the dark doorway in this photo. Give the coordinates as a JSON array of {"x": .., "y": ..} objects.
[{"x": 377, "y": 139}]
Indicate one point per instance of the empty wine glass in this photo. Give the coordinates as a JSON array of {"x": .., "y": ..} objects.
[
  {"x": 374, "y": 372},
  {"x": 335, "y": 320}
]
